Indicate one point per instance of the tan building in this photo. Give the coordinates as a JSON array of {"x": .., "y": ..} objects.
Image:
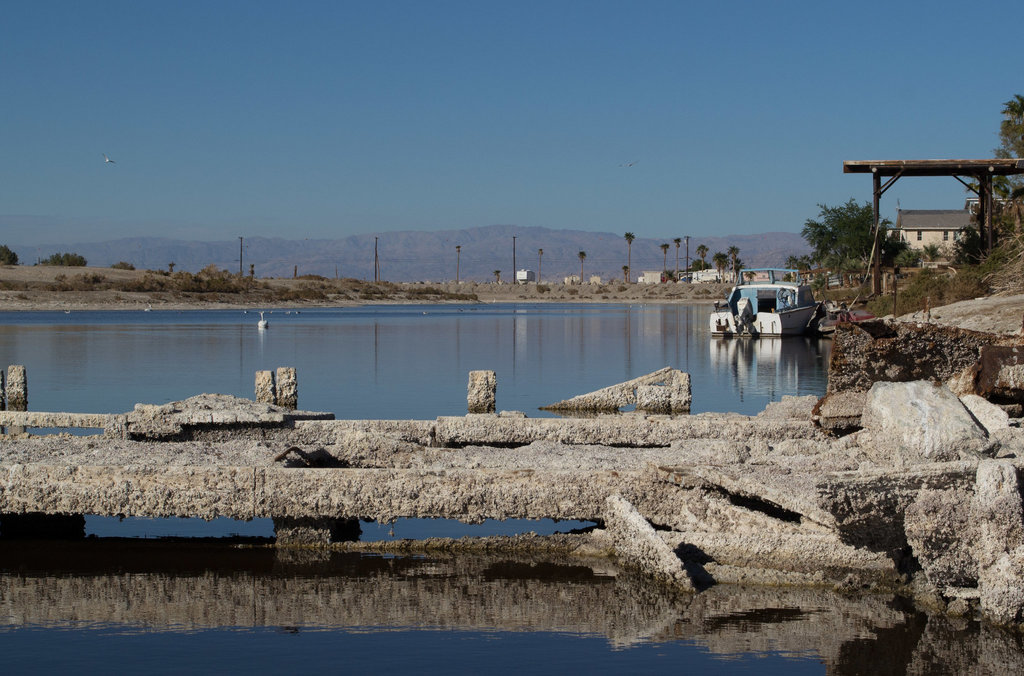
[{"x": 921, "y": 227}]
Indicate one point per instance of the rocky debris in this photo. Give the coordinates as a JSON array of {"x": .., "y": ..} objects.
[
  {"x": 998, "y": 374},
  {"x": 790, "y": 407},
  {"x": 913, "y": 422},
  {"x": 1002, "y": 594},
  {"x": 893, "y": 351},
  {"x": 638, "y": 545},
  {"x": 674, "y": 395},
  {"x": 482, "y": 391}
]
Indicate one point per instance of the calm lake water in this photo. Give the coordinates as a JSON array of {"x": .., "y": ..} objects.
[
  {"x": 203, "y": 605},
  {"x": 397, "y": 361}
]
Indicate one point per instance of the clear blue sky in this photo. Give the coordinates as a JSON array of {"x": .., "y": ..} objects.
[{"x": 326, "y": 119}]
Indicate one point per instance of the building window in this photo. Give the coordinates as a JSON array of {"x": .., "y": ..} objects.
[
  {"x": 945, "y": 235},
  {"x": 918, "y": 235}
]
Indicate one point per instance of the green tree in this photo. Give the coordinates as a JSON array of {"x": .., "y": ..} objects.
[
  {"x": 625, "y": 273},
  {"x": 497, "y": 276},
  {"x": 629, "y": 252},
  {"x": 7, "y": 257},
  {"x": 702, "y": 252},
  {"x": 664, "y": 256},
  {"x": 734, "y": 254},
  {"x": 799, "y": 263},
  {"x": 1010, "y": 189},
  {"x": 841, "y": 238},
  {"x": 721, "y": 262}
]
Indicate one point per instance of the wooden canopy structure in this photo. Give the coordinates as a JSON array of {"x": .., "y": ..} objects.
[{"x": 979, "y": 171}]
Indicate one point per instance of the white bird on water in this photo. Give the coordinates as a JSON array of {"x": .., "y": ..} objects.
[
  {"x": 262, "y": 323},
  {"x": 107, "y": 160}
]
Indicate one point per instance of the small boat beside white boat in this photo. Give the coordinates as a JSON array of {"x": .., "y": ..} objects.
[{"x": 767, "y": 302}]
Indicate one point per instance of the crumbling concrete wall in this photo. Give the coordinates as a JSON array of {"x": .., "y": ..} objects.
[{"x": 666, "y": 390}]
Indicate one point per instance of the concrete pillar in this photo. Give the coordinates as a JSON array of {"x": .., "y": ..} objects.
[
  {"x": 16, "y": 394},
  {"x": 315, "y": 532},
  {"x": 482, "y": 388},
  {"x": 16, "y": 389},
  {"x": 36, "y": 526},
  {"x": 266, "y": 390},
  {"x": 287, "y": 387}
]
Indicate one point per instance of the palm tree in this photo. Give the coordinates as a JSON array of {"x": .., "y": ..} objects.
[
  {"x": 702, "y": 251},
  {"x": 721, "y": 261},
  {"x": 629, "y": 252},
  {"x": 678, "y": 241},
  {"x": 582, "y": 256},
  {"x": 170, "y": 267},
  {"x": 458, "y": 257},
  {"x": 625, "y": 273},
  {"x": 497, "y": 276},
  {"x": 540, "y": 258},
  {"x": 734, "y": 253},
  {"x": 664, "y": 257}
]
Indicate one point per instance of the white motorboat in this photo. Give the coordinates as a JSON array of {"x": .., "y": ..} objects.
[{"x": 768, "y": 302}]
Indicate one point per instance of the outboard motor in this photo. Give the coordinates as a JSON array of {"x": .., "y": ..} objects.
[{"x": 744, "y": 316}]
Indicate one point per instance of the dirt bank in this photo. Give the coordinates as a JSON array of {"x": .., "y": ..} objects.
[{"x": 85, "y": 288}]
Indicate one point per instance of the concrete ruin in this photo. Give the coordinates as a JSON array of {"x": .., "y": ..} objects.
[
  {"x": 916, "y": 497},
  {"x": 666, "y": 390}
]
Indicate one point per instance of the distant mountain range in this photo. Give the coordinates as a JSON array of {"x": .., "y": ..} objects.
[{"x": 428, "y": 256}]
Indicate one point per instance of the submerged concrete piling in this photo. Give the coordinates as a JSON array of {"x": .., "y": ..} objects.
[
  {"x": 16, "y": 394},
  {"x": 482, "y": 389},
  {"x": 287, "y": 387},
  {"x": 266, "y": 389},
  {"x": 16, "y": 388}
]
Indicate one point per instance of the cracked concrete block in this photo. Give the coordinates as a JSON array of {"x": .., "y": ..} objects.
[
  {"x": 920, "y": 421},
  {"x": 481, "y": 395},
  {"x": 266, "y": 388},
  {"x": 941, "y": 533},
  {"x": 287, "y": 388},
  {"x": 998, "y": 510}
]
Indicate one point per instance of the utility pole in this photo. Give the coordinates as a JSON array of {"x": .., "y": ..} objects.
[
  {"x": 686, "y": 260},
  {"x": 239, "y": 256},
  {"x": 513, "y": 258},
  {"x": 376, "y": 262}
]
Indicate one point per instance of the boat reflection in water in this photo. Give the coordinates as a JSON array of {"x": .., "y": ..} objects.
[{"x": 772, "y": 366}]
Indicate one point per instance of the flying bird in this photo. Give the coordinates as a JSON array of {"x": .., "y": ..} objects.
[
  {"x": 628, "y": 164},
  {"x": 107, "y": 160}
]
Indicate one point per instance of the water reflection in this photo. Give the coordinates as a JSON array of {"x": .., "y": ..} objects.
[
  {"x": 398, "y": 361},
  {"x": 138, "y": 586}
]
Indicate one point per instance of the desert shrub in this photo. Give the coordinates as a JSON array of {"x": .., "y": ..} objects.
[
  {"x": 620, "y": 288},
  {"x": 543, "y": 288},
  {"x": 7, "y": 257},
  {"x": 573, "y": 292},
  {"x": 122, "y": 265},
  {"x": 65, "y": 259}
]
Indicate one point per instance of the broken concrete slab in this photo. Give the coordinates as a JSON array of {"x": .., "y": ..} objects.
[
  {"x": 615, "y": 397},
  {"x": 638, "y": 545},
  {"x": 988, "y": 415},
  {"x": 840, "y": 411}
]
